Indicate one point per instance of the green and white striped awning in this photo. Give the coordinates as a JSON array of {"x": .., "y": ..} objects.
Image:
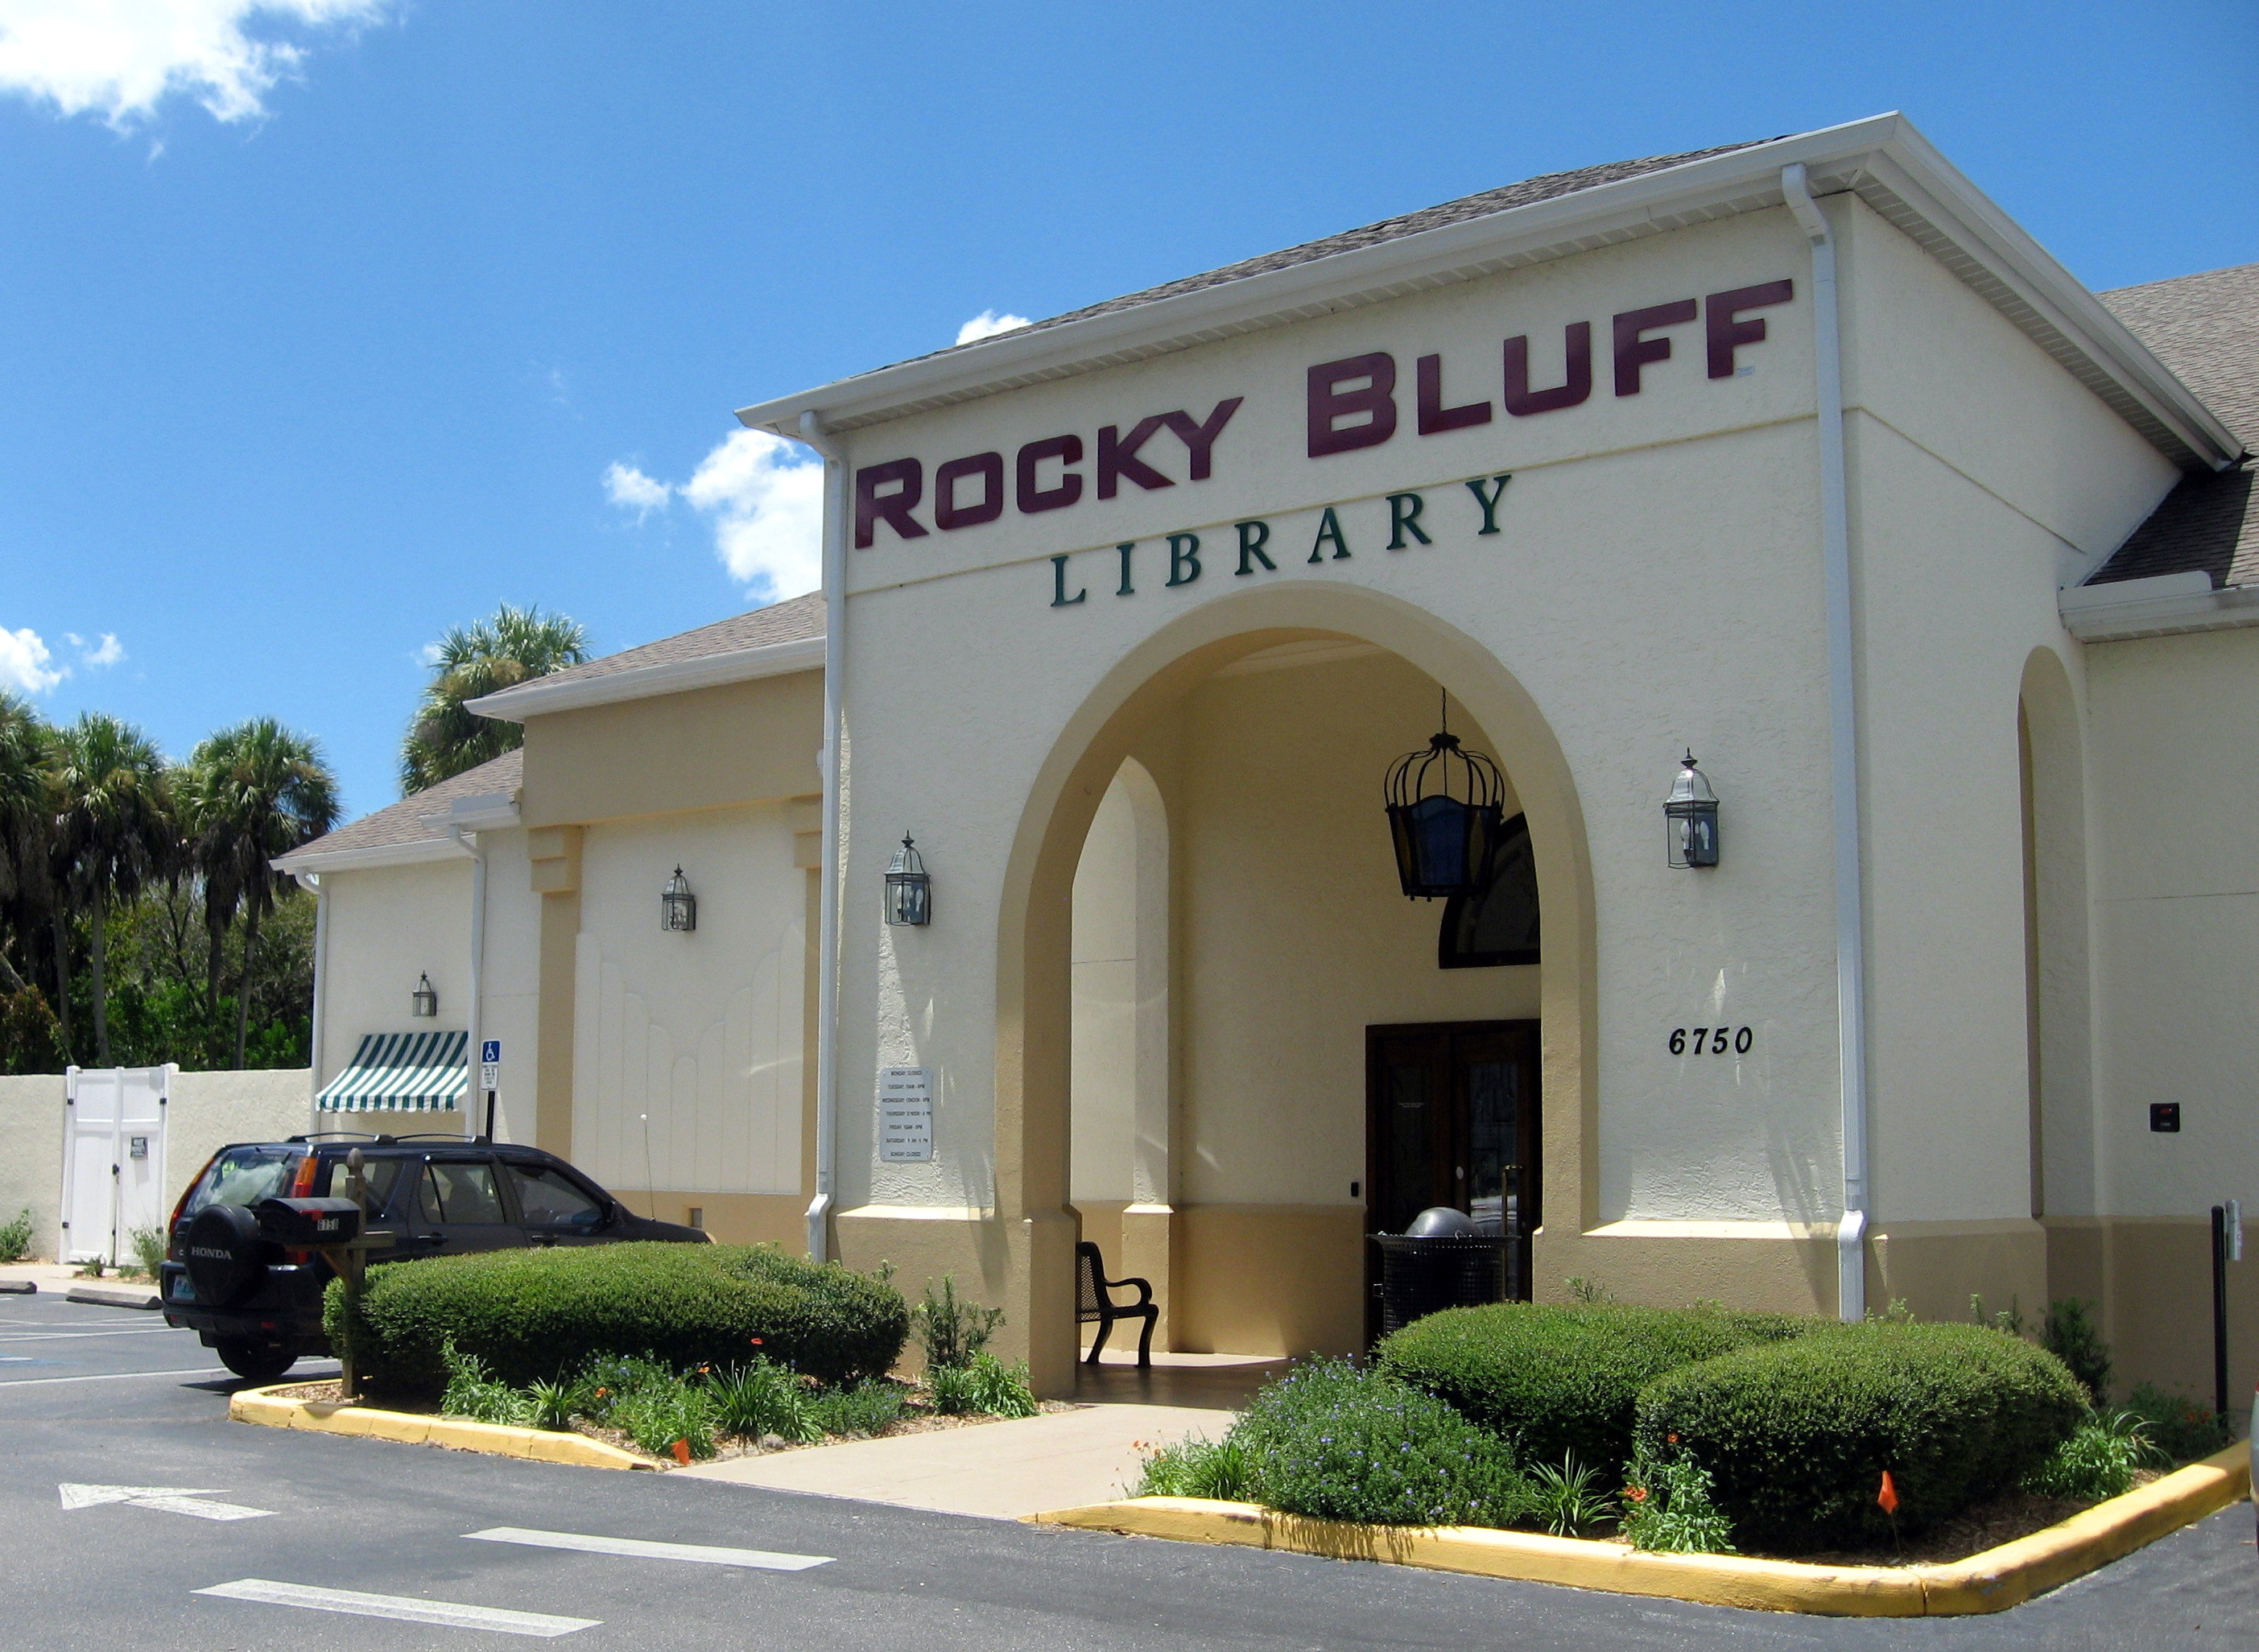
[{"x": 401, "y": 1072}]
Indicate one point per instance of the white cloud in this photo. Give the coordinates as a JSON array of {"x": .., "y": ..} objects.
[
  {"x": 23, "y": 662},
  {"x": 630, "y": 490},
  {"x": 121, "y": 59},
  {"x": 109, "y": 652},
  {"x": 988, "y": 325},
  {"x": 765, "y": 495}
]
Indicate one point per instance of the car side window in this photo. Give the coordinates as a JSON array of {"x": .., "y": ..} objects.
[
  {"x": 382, "y": 1175},
  {"x": 459, "y": 1194},
  {"x": 547, "y": 1198}
]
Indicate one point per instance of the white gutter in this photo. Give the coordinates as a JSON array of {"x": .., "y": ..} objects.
[
  {"x": 469, "y": 843},
  {"x": 1844, "y": 745},
  {"x": 2167, "y": 605},
  {"x": 810, "y": 429},
  {"x": 643, "y": 682},
  {"x": 312, "y": 882},
  {"x": 414, "y": 852}
]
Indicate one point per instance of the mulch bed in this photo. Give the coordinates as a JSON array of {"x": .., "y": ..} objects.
[
  {"x": 1971, "y": 1532},
  {"x": 727, "y": 1447}
]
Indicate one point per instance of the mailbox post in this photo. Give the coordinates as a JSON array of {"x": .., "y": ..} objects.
[{"x": 337, "y": 1229}]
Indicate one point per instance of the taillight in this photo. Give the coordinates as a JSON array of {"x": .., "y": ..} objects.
[{"x": 301, "y": 1186}]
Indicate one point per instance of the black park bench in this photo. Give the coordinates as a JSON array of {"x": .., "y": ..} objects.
[{"x": 1093, "y": 1302}]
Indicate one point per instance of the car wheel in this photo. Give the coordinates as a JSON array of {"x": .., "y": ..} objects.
[{"x": 255, "y": 1362}]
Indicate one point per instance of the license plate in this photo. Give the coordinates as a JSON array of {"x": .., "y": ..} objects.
[{"x": 184, "y": 1289}]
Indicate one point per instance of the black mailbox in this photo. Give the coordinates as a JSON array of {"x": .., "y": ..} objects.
[{"x": 306, "y": 1224}]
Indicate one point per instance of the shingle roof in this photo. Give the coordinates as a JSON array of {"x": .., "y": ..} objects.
[
  {"x": 2205, "y": 328},
  {"x": 789, "y": 622},
  {"x": 404, "y": 822},
  {"x": 1505, "y": 198}
]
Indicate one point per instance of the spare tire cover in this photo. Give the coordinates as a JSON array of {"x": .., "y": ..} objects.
[{"x": 225, "y": 1256}]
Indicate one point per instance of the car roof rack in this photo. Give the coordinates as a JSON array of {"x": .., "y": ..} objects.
[{"x": 319, "y": 1136}]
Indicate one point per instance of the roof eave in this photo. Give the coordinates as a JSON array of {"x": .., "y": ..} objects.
[
  {"x": 416, "y": 851},
  {"x": 542, "y": 697},
  {"x": 1884, "y": 152}
]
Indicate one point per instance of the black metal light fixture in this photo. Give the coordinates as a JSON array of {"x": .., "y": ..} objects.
[
  {"x": 424, "y": 1000},
  {"x": 1444, "y": 816},
  {"x": 909, "y": 891},
  {"x": 1690, "y": 818},
  {"x": 678, "y": 907}
]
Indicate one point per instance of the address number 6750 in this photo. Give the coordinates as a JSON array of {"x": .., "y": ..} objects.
[{"x": 1711, "y": 1041}]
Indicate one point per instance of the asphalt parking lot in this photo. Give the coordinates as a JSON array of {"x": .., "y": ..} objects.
[{"x": 135, "y": 1515}]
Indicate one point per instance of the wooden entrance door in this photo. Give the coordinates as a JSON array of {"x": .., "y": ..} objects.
[{"x": 1451, "y": 1118}]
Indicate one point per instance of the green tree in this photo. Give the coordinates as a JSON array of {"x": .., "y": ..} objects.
[
  {"x": 113, "y": 832},
  {"x": 24, "y": 815},
  {"x": 251, "y": 793},
  {"x": 516, "y": 646}
]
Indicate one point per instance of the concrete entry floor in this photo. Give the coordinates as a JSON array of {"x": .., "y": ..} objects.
[
  {"x": 1217, "y": 1382},
  {"x": 1004, "y": 1470}
]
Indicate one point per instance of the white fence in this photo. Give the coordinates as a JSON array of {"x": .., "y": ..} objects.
[{"x": 203, "y": 1112}]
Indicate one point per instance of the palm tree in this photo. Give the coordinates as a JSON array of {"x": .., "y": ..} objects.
[
  {"x": 253, "y": 792},
  {"x": 25, "y": 817},
  {"x": 113, "y": 831},
  {"x": 514, "y": 646}
]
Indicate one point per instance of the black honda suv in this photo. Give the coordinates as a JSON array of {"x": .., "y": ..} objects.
[{"x": 259, "y": 1304}]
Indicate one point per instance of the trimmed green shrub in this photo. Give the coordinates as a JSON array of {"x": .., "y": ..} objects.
[
  {"x": 16, "y": 1236},
  {"x": 1559, "y": 1378},
  {"x": 533, "y": 1314},
  {"x": 1330, "y": 1441},
  {"x": 1796, "y": 1436}
]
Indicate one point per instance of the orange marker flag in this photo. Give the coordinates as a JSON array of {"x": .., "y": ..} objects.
[
  {"x": 1888, "y": 1496},
  {"x": 682, "y": 1455}
]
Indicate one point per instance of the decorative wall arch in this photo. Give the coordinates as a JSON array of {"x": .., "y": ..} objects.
[
  {"x": 2066, "y": 1172},
  {"x": 1035, "y": 908}
]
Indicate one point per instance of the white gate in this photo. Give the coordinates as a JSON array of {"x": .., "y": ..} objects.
[{"x": 113, "y": 1158}]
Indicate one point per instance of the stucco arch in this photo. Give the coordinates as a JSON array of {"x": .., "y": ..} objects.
[
  {"x": 2058, "y": 988},
  {"x": 1035, "y": 907}
]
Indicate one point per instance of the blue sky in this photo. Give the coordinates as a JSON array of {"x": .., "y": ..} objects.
[{"x": 331, "y": 323}]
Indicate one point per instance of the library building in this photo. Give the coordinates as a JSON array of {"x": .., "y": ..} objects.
[{"x": 1687, "y": 710}]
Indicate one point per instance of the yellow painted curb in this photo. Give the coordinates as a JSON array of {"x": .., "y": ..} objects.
[
  {"x": 1993, "y": 1581},
  {"x": 331, "y": 1416}
]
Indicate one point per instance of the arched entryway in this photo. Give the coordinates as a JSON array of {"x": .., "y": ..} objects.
[{"x": 1263, "y": 724}]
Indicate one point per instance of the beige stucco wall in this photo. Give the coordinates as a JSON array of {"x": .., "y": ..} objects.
[
  {"x": 387, "y": 926},
  {"x": 687, "y": 1061},
  {"x": 204, "y": 1112}
]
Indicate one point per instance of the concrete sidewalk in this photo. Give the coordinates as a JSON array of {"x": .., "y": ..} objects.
[{"x": 1002, "y": 1469}]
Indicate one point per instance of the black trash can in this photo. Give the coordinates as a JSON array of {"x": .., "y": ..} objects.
[{"x": 1423, "y": 1275}]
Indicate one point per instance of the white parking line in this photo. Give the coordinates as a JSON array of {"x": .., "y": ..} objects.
[
  {"x": 403, "y": 1608},
  {"x": 55, "y": 1335},
  {"x": 762, "y": 1559},
  {"x": 117, "y": 1377}
]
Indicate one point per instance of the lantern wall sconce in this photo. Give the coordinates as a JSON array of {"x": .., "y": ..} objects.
[
  {"x": 678, "y": 907},
  {"x": 424, "y": 1000},
  {"x": 909, "y": 891},
  {"x": 1690, "y": 818},
  {"x": 1445, "y": 817}
]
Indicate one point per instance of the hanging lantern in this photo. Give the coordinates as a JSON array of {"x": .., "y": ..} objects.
[
  {"x": 1690, "y": 818},
  {"x": 909, "y": 891},
  {"x": 424, "y": 1000},
  {"x": 678, "y": 907},
  {"x": 1444, "y": 814}
]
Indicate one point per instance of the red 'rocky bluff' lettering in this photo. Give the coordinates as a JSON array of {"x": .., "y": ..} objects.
[
  {"x": 903, "y": 484},
  {"x": 1371, "y": 382}
]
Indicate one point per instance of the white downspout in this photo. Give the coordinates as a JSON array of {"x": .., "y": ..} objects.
[
  {"x": 827, "y": 945},
  {"x": 312, "y": 882},
  {"x": 1844, "y": 745},
  {"x": 474, "y": 1103}
]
